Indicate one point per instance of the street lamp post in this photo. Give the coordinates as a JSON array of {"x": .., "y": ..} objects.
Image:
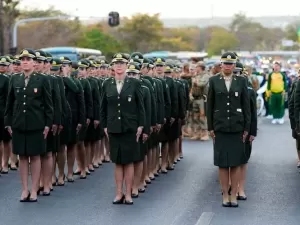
[{"x": 28, "y": 20}]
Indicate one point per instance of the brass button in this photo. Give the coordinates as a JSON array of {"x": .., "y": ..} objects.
[
  {"x": 24, "y": 111},
  {"x": 228, "y": 117},
  {"x": 119, "y": 104},
  {"x": 24, "y": 96},
  {"x": 24, "y": 89},
  {"x": 227, "y": 103},
  {"x": 227, "y": 110},
  {"x": 24, "y": 103},
  {"x": 119, "y": 118}
]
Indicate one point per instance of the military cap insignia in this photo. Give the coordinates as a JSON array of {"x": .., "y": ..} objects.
[
  {"x": 25, "y": 52},
  {"x": 102, "y": 61},
  {"x": 168, "y": 68},
  {"x": 131, "y": 67},
  {"x": 159, "y": 60},
  {"x": 62, "y": 58},
  {"x": 131, "y": 60},
  {"x": 53, "y": 63},
  {"x": 137, "y": 57},
  {"x": 3, "y": 60},
  {"x": 119, "y": 56},
  {"x": 79, "y": 63},
  {"x": 38, "y": 54},
  {"x": 229, "y": 57}
]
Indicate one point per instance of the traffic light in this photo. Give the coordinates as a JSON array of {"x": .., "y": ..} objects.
[{"x": 113, "y": 19}]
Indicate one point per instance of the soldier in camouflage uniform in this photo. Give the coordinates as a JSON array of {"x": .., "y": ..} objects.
[{"x": 198, "y": 95}]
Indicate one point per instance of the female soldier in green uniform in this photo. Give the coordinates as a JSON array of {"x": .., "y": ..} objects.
[
  {"x": 252, "y": 132},
  {"x": 228, "y": 117},
  {"x": 64, "y": 127},
  {"x": 74, "y": 95},
  {"x": 28, "y": 117},
  {"x": 123, "y": 118},
  {"x": 139, "y": 170}
]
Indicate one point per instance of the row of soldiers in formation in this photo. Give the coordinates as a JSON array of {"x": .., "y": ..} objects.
[{"x": 57, "y": 110}]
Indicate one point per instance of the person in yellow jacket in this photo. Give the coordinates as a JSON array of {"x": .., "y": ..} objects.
[{"x": 277, "y": 85}]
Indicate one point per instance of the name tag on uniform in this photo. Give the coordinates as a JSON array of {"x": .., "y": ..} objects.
[
  {"x": 35, "y": 90},
  {"x": 239, "y": 110},
  {"x": 236, "y": 94}
]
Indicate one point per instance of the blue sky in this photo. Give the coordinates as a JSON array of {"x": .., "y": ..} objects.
[{"x": 190, "y": 9}]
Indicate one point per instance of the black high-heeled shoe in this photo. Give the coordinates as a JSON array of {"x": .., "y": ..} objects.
[
  {"x": 25, "y": 199},
  {"x": 119, "y": 201}
]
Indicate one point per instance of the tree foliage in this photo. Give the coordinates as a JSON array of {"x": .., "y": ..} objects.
[
  {"x": 93, "y": 37},
  {"x": 221, "y": 39}
]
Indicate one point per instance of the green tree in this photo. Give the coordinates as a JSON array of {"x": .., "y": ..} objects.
[
  {"x": 94, "y": 38},
  {"x": 142, "y": 32},
  {"x": 221, "y": 39}
]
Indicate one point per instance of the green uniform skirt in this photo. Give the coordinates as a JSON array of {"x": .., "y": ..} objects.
[
  {"x": 229, "y": 150},
  {"x": 124, "y": 149},
  {"x": 28, "y": 143},
  {"x": 52, "y": 142}
]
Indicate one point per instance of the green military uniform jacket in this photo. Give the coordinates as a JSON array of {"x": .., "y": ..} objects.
[
  {"x": 186, "y": 93},
  {"x": 149, "y": 82},
  {"x": 160, "y": 106},
  {"x": 56, "y": 99},
  {"x": 4, "y": 83},
  {"x": 296, "y": 98},
  {"x": 65, "y": 107},
  {"x": 167, "y": 99},
  {"x": 29, "y": 108},
  {"x": 253, "y": 112},
  {"x": 88, "y": 97},
  {"x": 147, "y": 106},
  {"x": 173, "y": 92},
  {"x": 74, "y": 95},
  {"x": 228, "y": 111},
  {"x": 96, "y": 97},
  {"x": 122, "y": 112},
  {"x": 181, "y": 99}
]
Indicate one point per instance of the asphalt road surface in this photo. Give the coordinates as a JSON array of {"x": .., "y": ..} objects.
[{"x": 189, "y": 195}]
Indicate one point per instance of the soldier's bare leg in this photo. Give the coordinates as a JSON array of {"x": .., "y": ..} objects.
[
  {"x": 224, "y": 182},
  {"x": 54, "y": 158},
  {"x": 95, "y": 145},
  {"x": 234, "y": 180},
  {"x": 24, "y": 171},
  {"x": 164, "y": 156},
  {"x": 138, "y": 172},
  {"x": 80, "y": 158},
  {"x": 47, "y": 168},
  {"x": 91, "y": 157},
  {"x": 35, "y": 167},
  {"x": 102, "y": 148},
  {"x": 61, "y": 160},
  {"x": 176, "y": 150},
  {"x": 128, "y": 177},
  {"x": 119, "y": 178},
  {"x": 107, "y": 150},
  {"x": 155, "y": 163},
  {"x": 171, "y": 155},
  {"x": 88, "y": 157},
  {"x": 13, "y": 158},
  {"x": 5, "y": 156},
  {"x": 71, "y": 149},
  {"x": 242, "y": 181},
  {"x": 150, "y": 164}
]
